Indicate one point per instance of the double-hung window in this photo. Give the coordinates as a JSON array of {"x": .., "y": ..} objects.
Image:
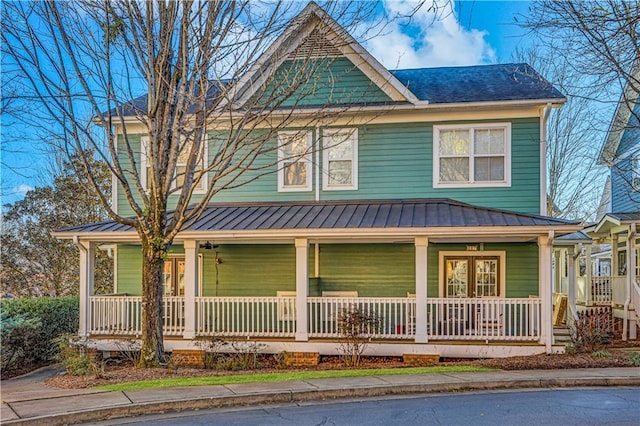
[
  {"x": 340, "y": 159},
  {"x": 635, "y": 172},
  {"x": 181, "y": 164},
  {"x": 294, "y": 161},
  {"x": 472, "y": 155}
]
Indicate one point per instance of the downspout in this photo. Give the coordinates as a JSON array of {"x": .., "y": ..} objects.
[
  {"x": 318, "y": 148},
  {"x": 627, "y": 301},
  {"x": 543, "y": 159}
]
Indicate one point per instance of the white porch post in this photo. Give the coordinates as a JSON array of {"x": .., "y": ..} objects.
[
  {"x": 87, "y": 268},
  {"x": 588, "y": 275},
  {"x": 190, "y": 287},
  {"x": 557, "y": 274},
  {"x": 421, "y": 244},
  {"x": 631, "y": 279},
  {"x": 544, "y": 290},
  {"x": 302, "y": 288},
  {"x": 614, "y": 255},
  {"x": 571, "y": 290}
]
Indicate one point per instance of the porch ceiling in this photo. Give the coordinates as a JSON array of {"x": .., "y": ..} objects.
[{"x": 440, "y": 218}]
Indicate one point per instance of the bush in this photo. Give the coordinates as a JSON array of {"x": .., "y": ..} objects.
[
  {"x": 51, "y": 317},
  {"x": 355, "y": 325},
  {"x": 592, "y": 330},
  {"x": 19, "y": 342},
  {"x": 73, "y": 355}
]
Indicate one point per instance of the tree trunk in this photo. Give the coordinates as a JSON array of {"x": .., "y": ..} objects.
[{"x": 152, "y": 351}]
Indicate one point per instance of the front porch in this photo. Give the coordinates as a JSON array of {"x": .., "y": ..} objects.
[
  {"x": 440, "y": 276},
  {"x": 495, "y": 319}
]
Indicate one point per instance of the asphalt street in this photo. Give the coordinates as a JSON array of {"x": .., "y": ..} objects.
[{"x": 572, "y": 406}]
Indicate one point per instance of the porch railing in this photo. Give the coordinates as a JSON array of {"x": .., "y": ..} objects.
[
  {"x": 447, "y": 319},
  {"x": 122, "y": 315},
  {"x": 618, "y": 290},
  {"x": 602, "y": 289},
  {"x": 246, "y": 316}
]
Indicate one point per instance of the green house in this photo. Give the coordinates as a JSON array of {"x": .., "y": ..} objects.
[{"x": 420, "y": 199}]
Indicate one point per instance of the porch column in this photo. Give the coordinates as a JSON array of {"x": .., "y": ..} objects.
[
  {"x": 557, "y": 271},
  {"x": 571, "y": 289},
  {"x": 631, "y": 280},
  {"x": 190, "y": 287},
  {"x": 588, "y": 273},
  {"x": 614, "y": 255},
  {"x": 87, "y": 269},
  {"x": 302, "y": 288},
  {"x": 544, "y": 290},
  {"x": 421, "y": 244}
]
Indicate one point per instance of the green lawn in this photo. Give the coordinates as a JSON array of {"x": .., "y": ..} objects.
[{"x": 284, "y": 376}]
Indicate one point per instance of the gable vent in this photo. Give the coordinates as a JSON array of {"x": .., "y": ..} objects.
[{"x": 315, "y": 45}]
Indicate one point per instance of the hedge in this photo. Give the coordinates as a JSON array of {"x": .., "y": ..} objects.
[{"x": 55, "y": 315}]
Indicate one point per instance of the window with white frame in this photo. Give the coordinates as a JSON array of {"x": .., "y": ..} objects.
[
  {"x": 472, "y": 155},
  {"x": 294, "y": 161},
  {"x": 340, "y": 159},
  {"x": 181, "y": 164},
  {"x": 635, "y": 172}
]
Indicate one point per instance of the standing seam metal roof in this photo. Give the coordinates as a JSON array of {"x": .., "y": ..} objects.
[{"x": 365, "y": 214}]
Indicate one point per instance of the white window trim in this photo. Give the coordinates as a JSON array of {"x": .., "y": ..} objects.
[
  {"x": 635, "y": 172},
  {"x": 144, "y": 141},
  {"x": 502, "y": 266},
  {"x": 305, "y": 158},
  {"x": 353, "y": 137},
  {"x": 481, "y": 184}
]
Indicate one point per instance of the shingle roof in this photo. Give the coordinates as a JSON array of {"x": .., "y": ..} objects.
[
  {"x": 502, "y": 82},
  {"x": 479, "y": 83},
  {"x": 371, "y": 214}
]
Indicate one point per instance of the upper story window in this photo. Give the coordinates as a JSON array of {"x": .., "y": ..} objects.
[
  {"x": 340, "y": 159},
  {"x": 472, "y": 155},
  {"x": 294, "y": 161},
  {"x": 635, "y": 172},
  {"x": 181, "y": 165}
]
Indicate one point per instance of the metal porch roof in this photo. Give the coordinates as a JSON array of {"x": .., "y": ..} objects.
[{"x": 358, "y": 214}]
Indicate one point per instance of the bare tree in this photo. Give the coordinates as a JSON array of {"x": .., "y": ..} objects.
[
  {"x": 85, "y": 61},
  {"x": 599, "y": 41}
]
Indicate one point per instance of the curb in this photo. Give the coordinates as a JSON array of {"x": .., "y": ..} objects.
[{"x": 310, "y": 395}]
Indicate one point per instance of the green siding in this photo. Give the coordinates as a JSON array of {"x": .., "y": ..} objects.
[
  {"x": 395, "y": 161},
  {"x": 319, "y": 82},
  {"x": 374, "y": 270}
]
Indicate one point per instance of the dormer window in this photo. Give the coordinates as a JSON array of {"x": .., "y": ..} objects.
[{"x": 472, "y": 155}]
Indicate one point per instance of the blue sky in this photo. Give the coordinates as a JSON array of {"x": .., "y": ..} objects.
[{"x": 478, "y": 32}]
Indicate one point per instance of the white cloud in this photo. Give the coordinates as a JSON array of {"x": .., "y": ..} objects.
[
  {"x": 428, "y": 39},
  {"x": 22, "y": 189}
]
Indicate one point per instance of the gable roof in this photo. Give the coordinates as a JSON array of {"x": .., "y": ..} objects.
[
  {"x": 478, "y": 83},
  {"x": 620, "y": 121},
  {"x": 302, "y": 26},
  {"x": 342, "y": 215}
]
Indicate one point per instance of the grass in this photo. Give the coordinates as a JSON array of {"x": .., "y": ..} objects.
[{"x": 285, "y": 376}]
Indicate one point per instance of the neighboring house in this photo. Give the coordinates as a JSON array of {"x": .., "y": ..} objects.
[
  {"x": 429, "y": 213},
  {"x": 619, "y": 216}
]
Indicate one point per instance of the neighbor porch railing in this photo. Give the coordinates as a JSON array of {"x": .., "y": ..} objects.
[{"x": 447, "y": 319}]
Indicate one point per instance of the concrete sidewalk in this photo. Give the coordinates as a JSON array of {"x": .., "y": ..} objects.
[{"x": 27, "y": 400}]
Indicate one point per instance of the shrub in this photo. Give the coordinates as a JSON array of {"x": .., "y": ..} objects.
[
  {"x": 355, "y": 326},
  {"x": 72, "y": 354},
  {"x": 53, "y": 316},
  {"x": 231, "y": 356},
  {"x": 634, "y": 358},
  {"x": 129, "y": 350},
  {"x": 19, "y": 342},
  {"x": 592, "y": 330}
]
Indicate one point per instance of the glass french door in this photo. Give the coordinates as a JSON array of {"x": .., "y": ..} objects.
[
  {"x": 471, "y": 276},
  {"x": 173, "y": 276}
]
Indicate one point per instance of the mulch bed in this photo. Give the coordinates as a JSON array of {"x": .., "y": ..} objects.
[{"x": 123, "y": 371}]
